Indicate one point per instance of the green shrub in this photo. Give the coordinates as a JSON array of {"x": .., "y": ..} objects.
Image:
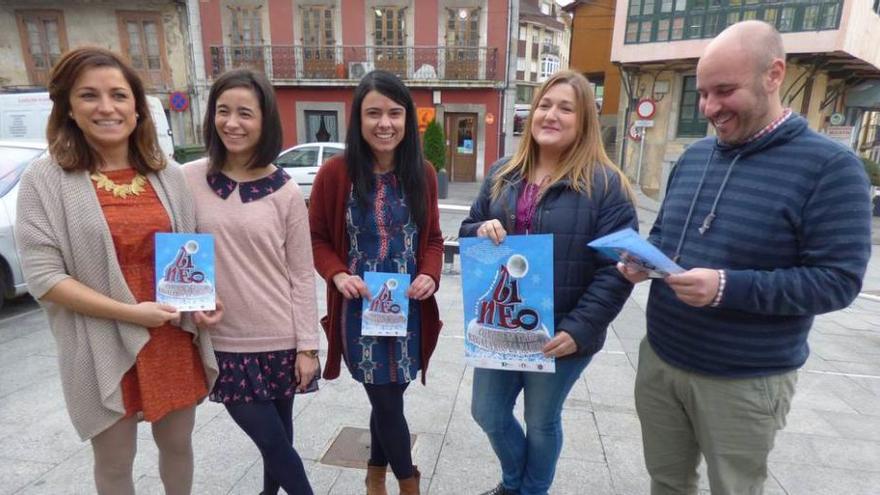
[
  {"x": 435, "y": 145},
  {"x": 872, "y": 168}
]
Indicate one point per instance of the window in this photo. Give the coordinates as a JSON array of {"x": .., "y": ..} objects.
[
  {"x": 319, "y": 41},
  {"x": 523, "y": 32},
  {"x": 597, "y": 84},
  {"x": 546, "y": 8},
  {"x": 831, "y": 14},
  {"x": 247, "y": 25},
  {"x": 524, "y": 94},
  {"x": 331, "y": 152},
  {"x": 43, "y": 40},
  {"x": 691, "y": 123},
  {"x": 389, "y": 36},
  {"x": 877, "y": 6},
  {"x": 650, "y": 21},
  {"x": 520, "y": 117},
  {"x": 246, "y": 36},
  {"x": 306, "y": 156},
  {"x": 549, "y": 65},
  {"x": 143, "y": 42},
  {"x": 321, "y": 126},
  {"x": 520, "y": 64},
  {"x": 462, "y": 43}
]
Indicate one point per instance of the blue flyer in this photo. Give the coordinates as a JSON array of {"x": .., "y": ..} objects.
[
  {"x": 628, "y": 247},
  {"x": 185, "y": 271},
  {"x": 385, "y": 315},
  {"x": 507, "y": 292}
]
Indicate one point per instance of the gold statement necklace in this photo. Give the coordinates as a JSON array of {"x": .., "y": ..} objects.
[{"x": 133, "y": 188}]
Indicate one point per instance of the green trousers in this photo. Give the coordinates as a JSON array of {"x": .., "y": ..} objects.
[{"x": 731, "y": 422}]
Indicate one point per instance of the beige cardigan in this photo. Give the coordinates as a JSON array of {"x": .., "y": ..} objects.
[{"x": 61, "y": 233}]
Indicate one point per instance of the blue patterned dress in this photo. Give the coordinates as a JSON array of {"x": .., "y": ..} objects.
[{"x": 383, "y": 238}]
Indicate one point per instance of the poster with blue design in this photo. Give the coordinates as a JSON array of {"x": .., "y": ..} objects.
[
  {"x": 185, "y": 271},
  {"x": 385, "y": 315},
  {"x": 507, "y": 292}
]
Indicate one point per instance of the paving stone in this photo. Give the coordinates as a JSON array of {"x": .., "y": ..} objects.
[
  {"x": 628, "y": 475},
  {"x": 581, "y": 476},
  {"x": 51, "y": 439},
  {"x": 16, "y": 473},
  {"x": 618, "y": 424},
  {"x": 818, "y": 480}
]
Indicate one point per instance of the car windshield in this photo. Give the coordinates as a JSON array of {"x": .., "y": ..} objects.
[
  {"x": 305, "y": 157},
  {"x": 331, "y": 152},
  {"x": 13, "y": 161}
]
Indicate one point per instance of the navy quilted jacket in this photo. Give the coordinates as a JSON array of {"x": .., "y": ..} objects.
[{"x": 588, "y": 291}]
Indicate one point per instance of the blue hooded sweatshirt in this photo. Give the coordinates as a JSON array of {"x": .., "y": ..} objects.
[{"x": 788, "y": 217}]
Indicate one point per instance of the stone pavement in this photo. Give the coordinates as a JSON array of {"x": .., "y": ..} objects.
[{"x": 831, "y": 444}]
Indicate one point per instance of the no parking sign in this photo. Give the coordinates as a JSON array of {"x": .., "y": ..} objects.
[{"x": 178, "y": 101}]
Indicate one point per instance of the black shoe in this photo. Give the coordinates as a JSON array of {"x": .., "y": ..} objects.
[{"x": 500, "y": 490}]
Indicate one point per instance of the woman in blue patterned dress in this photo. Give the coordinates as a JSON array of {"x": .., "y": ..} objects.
[{"x": 375, "y": 209}]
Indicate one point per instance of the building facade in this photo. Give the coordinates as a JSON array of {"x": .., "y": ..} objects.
[
  {"x": 833, "y": 58},
  {"x": 152, "y": 34},
  {"x": 592, "y": 26},
  {"x": 543, "y": 42},
  {"x": 450, "y": 53}
]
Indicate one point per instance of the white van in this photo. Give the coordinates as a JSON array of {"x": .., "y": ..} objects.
[{"x": 23, "y": 117}]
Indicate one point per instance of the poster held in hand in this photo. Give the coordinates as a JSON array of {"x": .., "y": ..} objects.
[
  {"x": 386, "y": 314},
  {"x": 628, "y": 247},
  {"x": 507, "y": 292},
  {"x": 185, "y": 271}
]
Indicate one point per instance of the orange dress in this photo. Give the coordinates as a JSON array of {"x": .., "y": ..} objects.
[{"x": 168, "y": 373}]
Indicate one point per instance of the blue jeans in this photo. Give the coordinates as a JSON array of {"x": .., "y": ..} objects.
[{"x": 528, "y": 459}]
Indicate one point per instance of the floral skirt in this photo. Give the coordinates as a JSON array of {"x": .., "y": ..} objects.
[{"x": 246, "y": 377}]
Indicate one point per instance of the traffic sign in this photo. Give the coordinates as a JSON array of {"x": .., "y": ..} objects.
[
  {"x": 645, "y": 108},
  {"x": 643, "y": 123},
  {"x": 635, "y": 133},
  {"x": 178, "y": 101},
  {"x": 837, "y": 118}
]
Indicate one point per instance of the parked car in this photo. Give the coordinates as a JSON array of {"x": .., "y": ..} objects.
[
  {"x": 302, "y": 162},
  {"x": 15, "y": 156},
  {"x": 23, "y": 116}
]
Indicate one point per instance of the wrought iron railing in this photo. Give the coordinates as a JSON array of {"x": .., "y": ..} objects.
[{"x": 348, "y": 62}]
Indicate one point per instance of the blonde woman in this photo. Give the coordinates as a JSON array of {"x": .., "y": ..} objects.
[{"x": 559, "y": 182}]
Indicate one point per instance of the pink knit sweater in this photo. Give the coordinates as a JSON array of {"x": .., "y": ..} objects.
[{"x": 265, "y": 275}]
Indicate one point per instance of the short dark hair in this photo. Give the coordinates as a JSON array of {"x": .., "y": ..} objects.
[
  {"x": 269, "y": 144},
  {"x": 67, "y": 144},
  {"x": 409, "y": 163}
]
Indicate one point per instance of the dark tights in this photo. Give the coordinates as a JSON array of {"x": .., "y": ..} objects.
[
  {"x": 270, "y": 425},
  {"x": 389, "y": 433}
]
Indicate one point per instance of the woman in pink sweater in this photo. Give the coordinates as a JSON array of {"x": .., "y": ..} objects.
[{"x": 267, "y": 342}]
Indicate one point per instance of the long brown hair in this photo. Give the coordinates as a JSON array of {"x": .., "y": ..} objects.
[
  {"x": 578, "y": 163},
  {"x": 67, "y": 144}
]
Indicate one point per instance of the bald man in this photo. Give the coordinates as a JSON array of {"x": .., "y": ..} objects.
[{"x": 772, "y": 222}]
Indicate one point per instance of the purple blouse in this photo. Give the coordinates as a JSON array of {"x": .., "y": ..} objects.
[{"x": 526, "y": 205}]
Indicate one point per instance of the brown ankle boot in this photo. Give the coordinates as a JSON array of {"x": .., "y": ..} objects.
[
  {"x": 376, "y": 480},
  {"x": 410, "y": 486}
]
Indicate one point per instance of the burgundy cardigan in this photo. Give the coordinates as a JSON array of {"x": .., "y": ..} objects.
[{"x": 330, "y": 245}]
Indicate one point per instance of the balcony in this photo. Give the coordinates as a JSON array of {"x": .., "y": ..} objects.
[
  {"x": 549, "y": 49},
  {"x": 345, "y": 65}
]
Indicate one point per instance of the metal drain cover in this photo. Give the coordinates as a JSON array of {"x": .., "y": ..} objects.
[{"x": 351, "y": 448}]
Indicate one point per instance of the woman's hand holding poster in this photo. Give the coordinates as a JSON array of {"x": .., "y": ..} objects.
[{"x": 508, "y": 302}]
